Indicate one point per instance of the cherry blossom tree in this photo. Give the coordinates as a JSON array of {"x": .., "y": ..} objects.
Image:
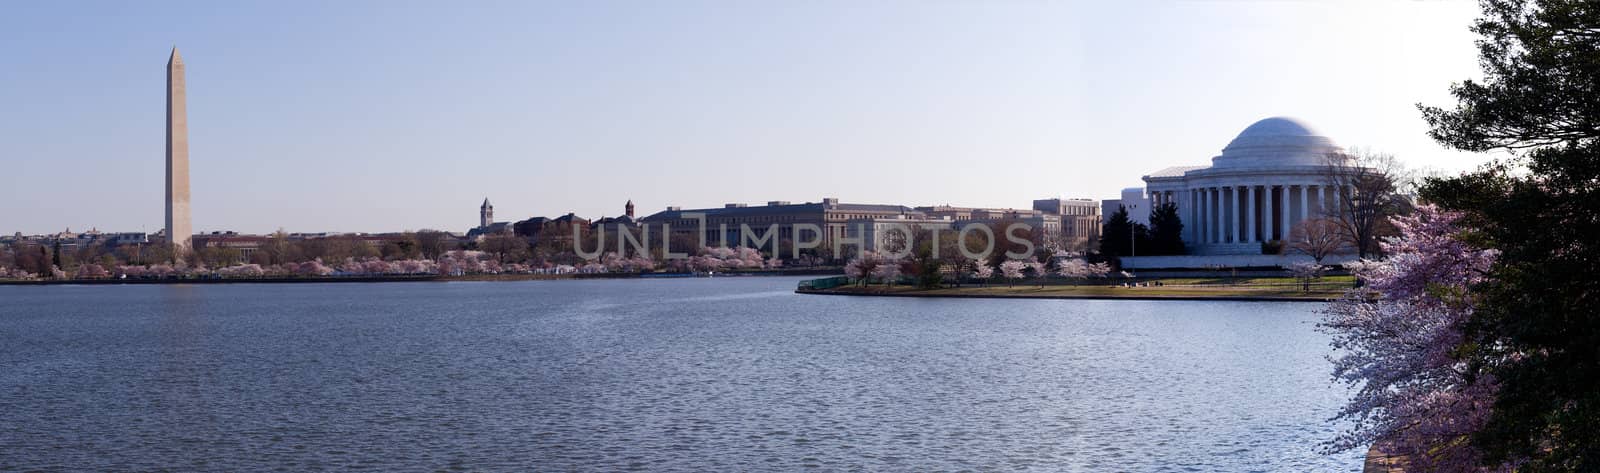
[
  {"x": 748, "y": 258},
  {"x": 1306, "y": 272},
  {"x": 130, "y": 271},
  {"x": 460, "y": 262},
  {"x": 614, "y": 263},
  {"x": 242, "y": 271},
  {"x": 312, "y": 268},
  {"x": 352, "y": 266},
  {"x": 195, "y": 270},
  {"x": 1072, "y": 269},
  {"x": 643, "y": 263},
  {"x": 1038, "y": 269},
  {"x": 618, "y": 264},
  {"x": 92, "y": 271},
  {"x": 160, "y": 271},
  {"x": 1012, "y": 270},
  {"x": 420, "y": 267},
  {"x": 376, "y": 266},
  {"x": 982, "y": 271},
  {"x": 1099, "y": 270},
  {"x": 888, "y": 270},
  {"x": 706, "y": 263},
  {"x": 863, "y": 267},
  {"x": 1398, "y": 340}
]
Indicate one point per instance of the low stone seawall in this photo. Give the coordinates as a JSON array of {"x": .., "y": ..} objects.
[
  {"x": 1378, "y": 461},
  {"x": 102, "y": 282},
  {"x": 416, "y": 278},
  {"x": 1225, "y": 261},
  {"x": 1142, "y": 297}
]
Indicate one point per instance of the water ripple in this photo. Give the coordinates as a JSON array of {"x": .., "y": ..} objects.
[{"x": 651, "y": 375}]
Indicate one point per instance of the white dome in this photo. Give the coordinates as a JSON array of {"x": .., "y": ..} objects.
[{"x": 1276, "y": 141}]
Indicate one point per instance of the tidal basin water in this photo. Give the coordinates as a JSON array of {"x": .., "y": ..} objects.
[{"x": 730, "y": 374}]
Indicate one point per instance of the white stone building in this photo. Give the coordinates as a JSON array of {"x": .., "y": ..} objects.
[{"x": 1268, "y": 179}]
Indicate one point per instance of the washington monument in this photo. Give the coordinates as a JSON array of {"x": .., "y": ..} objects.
[{"x": 178, "y": 229}]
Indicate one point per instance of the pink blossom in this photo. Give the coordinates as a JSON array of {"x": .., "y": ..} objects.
[
  {"x": 242, "y": 271},
  {"x": 160, "y": 270},
  {"x": 353, "y": 267},
  {"x": 1037, "y": 269},
  {"x": 459, "y": 262},
  {"x": 1072, "y": 269},
  {"x": 308, "y": 268},
  {"x": 1397, "y": 339},
  {"x": 887, "y": 270},
  {"x": 866, "y": 266},
  {"x": 378, "y": 266},
  {"x": 856, "y": 269},
  {"x": 1099, "y": 270},
  {"x": 982, "y": 270},
  {"x": 412, "y": 266},
  {"x": 1012, "y": 269},
  {"x": 92, "y": 271}
]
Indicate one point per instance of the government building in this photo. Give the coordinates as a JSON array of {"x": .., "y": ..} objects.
[{"x": 1270, "y": 178}]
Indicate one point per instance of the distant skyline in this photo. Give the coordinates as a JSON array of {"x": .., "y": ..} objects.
[{"x": 387, "y": 116}]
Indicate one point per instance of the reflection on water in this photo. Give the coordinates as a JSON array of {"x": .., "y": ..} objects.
[{"x": 725, "y": 374}]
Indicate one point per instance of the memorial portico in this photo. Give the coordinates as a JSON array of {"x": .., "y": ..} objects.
[{"x": 1266, "y": 181}]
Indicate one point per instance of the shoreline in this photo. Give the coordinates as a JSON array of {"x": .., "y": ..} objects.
[
  {"x": 416, "y": 278},
  {"x": 1141, "y": 297},
  {"x": 1157, "y": 289}
]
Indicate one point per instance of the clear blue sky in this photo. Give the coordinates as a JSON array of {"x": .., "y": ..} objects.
[{"x": 387, "y": 115}]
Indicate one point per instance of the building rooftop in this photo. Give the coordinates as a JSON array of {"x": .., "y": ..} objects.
[
  {"x": 781, "y": 208},
  {"x": 1174, "y": 171}
]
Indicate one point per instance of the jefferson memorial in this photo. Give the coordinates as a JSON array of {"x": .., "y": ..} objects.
[{"x": 1267, "y": 180}]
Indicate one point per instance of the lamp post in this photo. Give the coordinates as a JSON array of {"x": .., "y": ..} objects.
[{"x": 1133, "y": 243}]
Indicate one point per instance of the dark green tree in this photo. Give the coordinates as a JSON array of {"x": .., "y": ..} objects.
[
  {"x": 1115, "y": 239},
  {"x": 44, "y": 255},
  {"x": 1166, "y": 231},
  {"x": 1537, "y": 327},
  {"x": 923, "y": 265},
  {"x": 1114, "y": 236}
]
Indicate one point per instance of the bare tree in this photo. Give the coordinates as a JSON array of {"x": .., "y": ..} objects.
[
  {"x": 1371, "y": 187},
  {"x": 1317, "y": 238},
  {"x": 431, "y": 242},
  {"x": 277, "y": 248},
  {"x": 506, "y": 247}
]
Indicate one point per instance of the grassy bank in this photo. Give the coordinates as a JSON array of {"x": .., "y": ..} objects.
[{"x": 1176, "y": 288}]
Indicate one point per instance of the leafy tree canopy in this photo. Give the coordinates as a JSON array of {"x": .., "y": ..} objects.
[{"x": 1538, "y": 323}]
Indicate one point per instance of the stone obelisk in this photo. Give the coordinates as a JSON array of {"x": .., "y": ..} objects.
[{"x": 178, "y": 230}]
